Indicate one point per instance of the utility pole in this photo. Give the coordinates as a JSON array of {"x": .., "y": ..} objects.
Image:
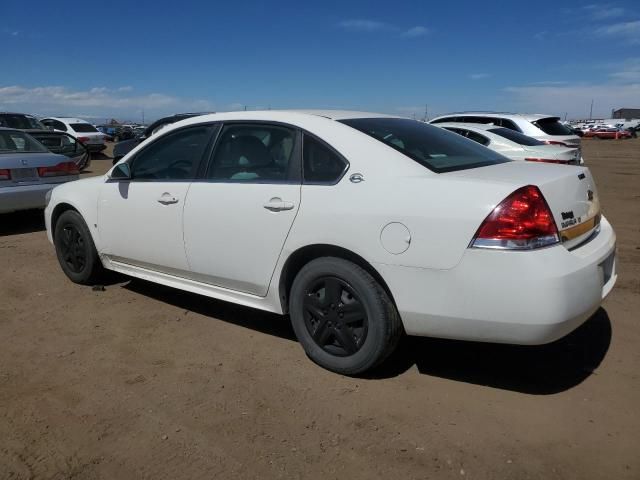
[
  {"x": 591, "y": 110},
  {"x": 143, "y": 116},
  {"x": 426, "y": 112}
]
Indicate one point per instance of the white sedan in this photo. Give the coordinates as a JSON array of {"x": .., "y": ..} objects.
[
  {"x": 515, "y": 145},
  {"x": 360, "y": 226}
]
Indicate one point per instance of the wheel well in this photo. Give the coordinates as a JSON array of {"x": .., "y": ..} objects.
[
  {"x": 304, "y": 255},
  {"x": 59, "y": 210}
]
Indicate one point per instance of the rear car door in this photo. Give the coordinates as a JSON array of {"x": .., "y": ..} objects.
[
  {"x": 140, "y": 219},
  {"x": 237, "y": 218}
]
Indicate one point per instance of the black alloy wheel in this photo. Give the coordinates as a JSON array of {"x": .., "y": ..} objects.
[
  {"x": 335, "y": 317},
  {"x": 73, "y": 248}
]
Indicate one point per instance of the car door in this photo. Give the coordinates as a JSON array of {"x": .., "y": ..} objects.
[
  {"x": 140, "y": 218},
  {"x": 237, "y": 218}
]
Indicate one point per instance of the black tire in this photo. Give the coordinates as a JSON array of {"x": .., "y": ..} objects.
[
  {"x": 75, "y": 249},
  {"x": 352, "y": 334}
]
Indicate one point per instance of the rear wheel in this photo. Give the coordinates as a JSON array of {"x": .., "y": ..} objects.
[
  {"x": 343, "y": 318},
  {"x": 75, "y": 250}
]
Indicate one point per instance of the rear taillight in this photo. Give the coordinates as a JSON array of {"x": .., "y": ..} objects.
[
  {"x": 65, "y": 168},
  {"x": 556, "y": 142},
  {"x": 522, "y": 221},
  {"x": 83, "y": 139},
  {"x": 5, "y": 174},
  {"x": 548, "y": 160}
]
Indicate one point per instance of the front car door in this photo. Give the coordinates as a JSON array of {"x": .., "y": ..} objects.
[
  {"x": 140, "y": 219},
  {"x": 237, "y": 218}
]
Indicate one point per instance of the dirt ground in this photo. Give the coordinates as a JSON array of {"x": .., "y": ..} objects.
[{"x": 141, "y": 381}]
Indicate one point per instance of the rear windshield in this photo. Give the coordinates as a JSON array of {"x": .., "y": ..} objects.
[
  {"x": 551, "y": 126},
  {"x": 21, "y": 122},
  {"x": 432, "y": 147},
  {"x": 83, "y": 127},
  {"x": 12, "y": 141},
  {"x": 516, "y": 137}
]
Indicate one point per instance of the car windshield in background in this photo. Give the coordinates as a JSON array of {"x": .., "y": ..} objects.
[
  {"x": 516, "y": 137},
  {"x": 19, "y": 142},
  {"x": 432, "y": 147},
  {"x": 83, "y": 127},
  {"x": 552, "y": 126},
  {"x": 21, "y": 122}
]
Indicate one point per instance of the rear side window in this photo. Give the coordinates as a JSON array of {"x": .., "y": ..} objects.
[
  {"x": 432, "y": 147},
  {"x": 175, "y": 156},
  {"x": 320, "y": 163},
  {"x": 552, "y": 126},
  {"x": 253, "y": 153},
  {"x": 476, "y": 137},
  {"x": 83, "y": 127},
  {"x": 20, "y": 122},
  {"x": 516, "y": 137}
]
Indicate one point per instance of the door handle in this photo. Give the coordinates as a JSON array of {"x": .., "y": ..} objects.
[
  {"x": 276, "y": 204},
  {"x": 167, "y": 199}
]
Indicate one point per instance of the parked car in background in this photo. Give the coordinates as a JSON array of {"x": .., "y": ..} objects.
[
  {"x": 123, "y": 147},
  {"x": 360, "y": 226},
  {"x": 64, "y": 144},
  {"x": 608, "y": 133},
  {"x": 81, "y": 129},
  {"x": 545, "y": 128},
  {"x": 514, "y": 145},
  {"x": 57, "y": 142},
  {"x": 28, "y": 171}
]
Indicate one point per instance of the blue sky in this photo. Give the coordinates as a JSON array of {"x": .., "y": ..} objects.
[{"x": 114, "y": 59}]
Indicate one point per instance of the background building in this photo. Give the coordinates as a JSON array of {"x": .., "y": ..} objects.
[{"x": 626, "y": 113}]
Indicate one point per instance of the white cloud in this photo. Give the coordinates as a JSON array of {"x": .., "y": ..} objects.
[
  {"x": 417, "y": 31},
  {"x": 623, "y": 31},
  {"x": 627, "y": 71},
  {"x": 97, "y": 101},
  {"x": 479, "y": 76},
  {"x": 363, "y": 25},
  {"x": 540, "y": 35},
  {"x": 574, "y": 99},
  {"x": 603, "y": 11}
]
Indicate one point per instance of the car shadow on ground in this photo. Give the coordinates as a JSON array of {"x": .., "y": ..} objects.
[
  {"x": 17, "y": 223},
  {"x": 537, "y": 370},
  {"x": 540, "y": 370},
  {"x": 99, "y": 156}
]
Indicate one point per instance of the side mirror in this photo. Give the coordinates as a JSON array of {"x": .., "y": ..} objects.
[{"x": 121, "y": 171}]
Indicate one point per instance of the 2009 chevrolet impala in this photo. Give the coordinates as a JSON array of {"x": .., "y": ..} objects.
[{"x": 360, "y": 226}]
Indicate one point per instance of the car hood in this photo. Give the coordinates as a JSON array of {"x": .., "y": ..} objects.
[{"x": 30, "y": 160}]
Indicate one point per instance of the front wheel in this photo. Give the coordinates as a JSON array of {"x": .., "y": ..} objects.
[
  {"x": 75, "y": 250},
  {"x": 341, "y": 315}
]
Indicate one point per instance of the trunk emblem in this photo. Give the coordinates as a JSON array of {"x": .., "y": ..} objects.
[
  {"x": 581, "y": 176},
  {"x": 24, "y": 162},
  {"x": 590, "y": 195}
]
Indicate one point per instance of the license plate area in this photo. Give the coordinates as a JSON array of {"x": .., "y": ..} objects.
[{"x": 24, "y": 174}]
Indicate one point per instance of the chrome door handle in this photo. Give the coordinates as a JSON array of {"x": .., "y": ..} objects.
[
  {"x": 277, "y": 205},
  {"x": 167, "y": 199}
]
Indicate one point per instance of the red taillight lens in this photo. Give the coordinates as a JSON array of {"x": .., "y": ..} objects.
[
  {"x": 556, "y": 142},
  {"x": 83, "y": 139},
  {"x": 5, "y": 174},
  {"x": 65, "y": 168},
  {"x": 548, "y": 160},
  {"x": 522, "y": 221}
]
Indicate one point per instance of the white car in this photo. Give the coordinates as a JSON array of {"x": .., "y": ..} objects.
[
  {"x": 514, "y": 145},
  {"x": 86, "y": 133},
  {"x": 546, "y": 128},
  {"x": 359, "y": 226}
]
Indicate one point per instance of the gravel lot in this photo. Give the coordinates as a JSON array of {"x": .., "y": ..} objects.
[{"x": 141, "y": 381}]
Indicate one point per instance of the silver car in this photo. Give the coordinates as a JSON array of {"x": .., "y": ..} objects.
[{"x": 28, "y": 171}]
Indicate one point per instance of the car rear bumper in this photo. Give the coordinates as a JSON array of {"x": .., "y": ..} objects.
[
  {"x": 525, "y": 298},
  {"x": 23, "y": 197}
]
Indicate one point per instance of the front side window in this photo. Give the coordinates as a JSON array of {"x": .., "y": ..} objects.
[
  {"x": 253, "y": 153},
  {"x": 320, "y": 163},
  {"x": 175, "y": 156},
  {"x": 432, "y": 147}
]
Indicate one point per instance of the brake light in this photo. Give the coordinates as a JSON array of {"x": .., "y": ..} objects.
[
  {"x": 556, "y": 142},
  {"x": 83, "y": 139},
  {"x": 5, "y": 174},
  {"x": 65, "y": 168},
  {"x": 548, "y": 160},
  {"x": 522, "y": 221}
]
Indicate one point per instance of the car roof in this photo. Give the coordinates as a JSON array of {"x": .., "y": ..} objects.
[
  {"x": 469, "y": 126},
  {"x": 339, "y": 114},
  {"x": 529, "y": 117},
  {"x": 67, "y": 119}
]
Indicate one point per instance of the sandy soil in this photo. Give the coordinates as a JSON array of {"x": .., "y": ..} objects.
[{"x": 141, "y": 381}]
